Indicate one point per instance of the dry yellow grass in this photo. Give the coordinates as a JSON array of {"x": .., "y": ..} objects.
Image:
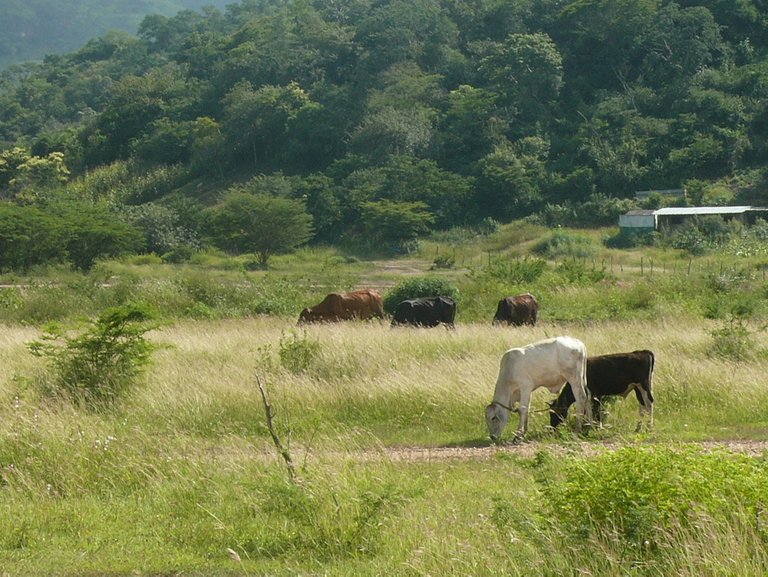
[
  {"x": 363, "y": 375},
  {"x": 186, "y": 470}
]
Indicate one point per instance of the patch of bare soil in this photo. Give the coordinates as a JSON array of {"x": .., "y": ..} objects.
[{"x": 386, "y": 273}]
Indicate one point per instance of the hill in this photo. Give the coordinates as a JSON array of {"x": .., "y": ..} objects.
[
  {"x": 32, "y": 29},
  {"x": 378, "y": 123}
]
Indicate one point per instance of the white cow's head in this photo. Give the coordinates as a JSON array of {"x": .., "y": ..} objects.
[{"x": 497, "y": 418}]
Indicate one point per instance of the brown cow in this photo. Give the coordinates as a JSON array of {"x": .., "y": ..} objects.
[
  {"x": 518, "y": 310},
  {"x": 361, "y": 304}
]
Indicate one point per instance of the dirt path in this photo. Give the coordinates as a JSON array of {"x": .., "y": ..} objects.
[
  {"x": 530, "y": 449},
  {"x": 387, "y": 273}
]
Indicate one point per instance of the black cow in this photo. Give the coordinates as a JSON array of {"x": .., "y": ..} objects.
[
  {"x": 610, "y": 375},
  {"x": 518, "y": 310},
  {"x": 425, "y": 312}
]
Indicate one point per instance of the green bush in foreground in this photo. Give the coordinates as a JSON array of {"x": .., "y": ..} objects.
[
  {"x": 102, "y": 363},
  {"x": 638, "y": 492}
]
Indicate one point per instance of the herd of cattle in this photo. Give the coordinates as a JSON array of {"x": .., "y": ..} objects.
[
  {"x": 559, "y": 364},
  {"x": 424, "y": 312}
]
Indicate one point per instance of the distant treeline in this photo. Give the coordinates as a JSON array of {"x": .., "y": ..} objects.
[
  {"x": 33, "y": 29},
  {"x": 387, "y": 120}
]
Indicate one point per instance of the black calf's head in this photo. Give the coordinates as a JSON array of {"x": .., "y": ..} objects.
[
  {"x": 557, "y": 414},
  {"x": 558, "y": 409}
]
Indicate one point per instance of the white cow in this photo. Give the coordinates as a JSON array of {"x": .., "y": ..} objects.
[{"x": 549, "y": 363}]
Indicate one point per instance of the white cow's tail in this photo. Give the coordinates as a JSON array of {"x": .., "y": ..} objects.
[
  {"x": 651, "y": 366},
  {"x": 587, "y": 393}
]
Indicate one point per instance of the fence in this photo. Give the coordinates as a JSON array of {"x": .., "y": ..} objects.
[{"x": 644, "y": 266}]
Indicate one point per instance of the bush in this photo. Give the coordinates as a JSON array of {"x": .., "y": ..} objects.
[
  {"x": 444, "y": 261},
  {"x": 638, "y": 492},
  {"x": 515, "y": 271},
  {"x": 554, "y": 215},
  {"x": 690, "y": 239},
  {"x": 178, "y": 255},
  {"x": 733, "y": 340},
  {"x": 631, "y": 239},
  {"x": 575, "y": 272},
  {"x": 416, "y": 288},
  {"x": 488, "y": 226},
  {"x": 563, "y": 244},
  {"x": 704, "y": 234},
  {"x": 101, "y": 364},
  {"x": 297, "y": 352},
  {"x": 602, "y": 210}
]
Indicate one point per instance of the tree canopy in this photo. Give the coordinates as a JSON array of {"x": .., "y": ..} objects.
[
  {"x": 259, "y": 223},
  {"x": 418, "y": 116}
]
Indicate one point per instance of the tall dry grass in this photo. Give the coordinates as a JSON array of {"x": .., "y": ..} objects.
[{"x": 184, "y": 469}]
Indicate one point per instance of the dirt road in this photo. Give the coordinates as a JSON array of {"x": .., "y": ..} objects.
[{"x": 530, "y": 449}]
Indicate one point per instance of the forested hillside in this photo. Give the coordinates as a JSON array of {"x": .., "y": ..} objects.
[
  {"x": 31, "y": 29},
  {"x": 375, "y": 122}
]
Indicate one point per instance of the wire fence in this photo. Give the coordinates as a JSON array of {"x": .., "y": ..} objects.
[{"x": 644, "y": 266}]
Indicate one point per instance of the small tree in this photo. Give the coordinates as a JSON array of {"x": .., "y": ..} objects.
[
  {"x": 23, "y": 176},
  {"x": 391, "y": 222},
  {"x": 101, "y": 364},
  {"x": 262, "y": 224},
  {"x": 29, "y": 237},
  {"x": 94, "y": 232}
]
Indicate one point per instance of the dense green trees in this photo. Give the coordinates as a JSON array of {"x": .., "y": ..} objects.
[
  {"x": 65, "y": 231},
  {"x": 388, "y": 119}
]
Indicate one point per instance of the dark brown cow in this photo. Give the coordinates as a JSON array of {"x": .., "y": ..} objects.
[
  {"x": 611, "y": 375},
  {"x": 361, "y": 304},
  {"x": 518, "y": 310}
]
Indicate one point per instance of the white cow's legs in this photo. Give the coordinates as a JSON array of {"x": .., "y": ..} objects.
[{"x": 525, "y": 402}]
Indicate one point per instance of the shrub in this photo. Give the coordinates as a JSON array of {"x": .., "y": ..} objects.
[
  {"x": 297, "y": 352},
  {"x": 553, "y": 215},
  {"x": 733, "y": 340},
  {"x": 638, "y": 492},
  {"x": 631, "y": 239},
  {"x": 444, "y": 261},
  {"x": 563, "y": 244},
  {"x": 101, "y": 364},
  {"x": 690, "y": 240},
  {"x": 515, "y": 271},
  {"x": 576, "y": 272},
  {"x": 602, "y": 210},
  {"x": 178, "y": 255},
  {"x": 488, "y": 226},
  {"x": 416, "y": 288},
  {"x": 704, "y": 234}
]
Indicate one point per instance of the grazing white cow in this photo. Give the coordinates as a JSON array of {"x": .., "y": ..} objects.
[{"x": 551, "y": 364}]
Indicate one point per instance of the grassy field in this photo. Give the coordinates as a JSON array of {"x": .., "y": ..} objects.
[
  {"x": 182, "y": 476},
  {"x": 393, "y": 470}
]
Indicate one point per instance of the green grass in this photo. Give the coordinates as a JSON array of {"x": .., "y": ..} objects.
[{"x": 184, "y": 469}]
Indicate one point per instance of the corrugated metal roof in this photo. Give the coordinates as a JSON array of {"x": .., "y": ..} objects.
[
  {"x": 640, "y": 212},
  {"x": 692, "y": 210}
]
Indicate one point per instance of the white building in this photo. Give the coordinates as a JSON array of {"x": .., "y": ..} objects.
[{"x": 637, "y": 220}]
